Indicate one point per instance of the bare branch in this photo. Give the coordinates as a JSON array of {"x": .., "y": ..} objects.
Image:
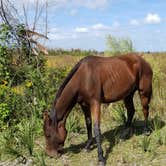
[
  {"x": 46, "y": 20},
  {"x": 36, "y": 13},
  {"x": 32, "y": 33},
  {"x": 25, "y": 15}
]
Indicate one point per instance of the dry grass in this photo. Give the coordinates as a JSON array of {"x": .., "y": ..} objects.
[{"x": 62, "y": 61}]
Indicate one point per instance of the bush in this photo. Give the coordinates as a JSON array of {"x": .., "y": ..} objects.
[
  {"x": 4, "y": 114},
  {"x": 11, "y": 106},
  {"x": 118, "y": 45}
]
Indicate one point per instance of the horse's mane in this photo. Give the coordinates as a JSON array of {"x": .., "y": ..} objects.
[{"x": 61, "y": 88}]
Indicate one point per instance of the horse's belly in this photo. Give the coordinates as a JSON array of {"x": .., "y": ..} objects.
[{"x": 117, "y": 91}]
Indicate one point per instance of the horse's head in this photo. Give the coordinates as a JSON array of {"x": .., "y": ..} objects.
[{"x": 54, "y": 135}]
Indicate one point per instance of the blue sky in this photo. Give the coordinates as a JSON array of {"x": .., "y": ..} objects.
[{"x": 85, "y": 23}]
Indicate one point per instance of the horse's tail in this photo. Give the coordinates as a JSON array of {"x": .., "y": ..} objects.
[{"x": 145, "y": 83}]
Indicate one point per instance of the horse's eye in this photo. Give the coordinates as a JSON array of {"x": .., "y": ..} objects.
[{"x": 48, "y": 136}]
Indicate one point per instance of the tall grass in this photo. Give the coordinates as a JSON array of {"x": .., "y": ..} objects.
[
  {"x": 73, "y": 122},
  {"x": 119, "y": 113},
  {"x": 21, "y": 139}
]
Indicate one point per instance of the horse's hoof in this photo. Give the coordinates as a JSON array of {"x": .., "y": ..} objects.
[
  {"x": 86, "y": 150},
  {"x": 126, "y": 133},
  {"x": 146, "y": 132},
  {"x": 101, "y": 163}
]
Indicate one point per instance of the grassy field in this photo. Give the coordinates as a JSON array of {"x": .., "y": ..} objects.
[{"x": 138, "y": 150}]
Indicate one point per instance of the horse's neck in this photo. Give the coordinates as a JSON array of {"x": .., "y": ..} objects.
[{"x": 65, "y": 102}]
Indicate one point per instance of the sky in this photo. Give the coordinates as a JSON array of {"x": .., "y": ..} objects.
[{"x": 86, "y": 23}]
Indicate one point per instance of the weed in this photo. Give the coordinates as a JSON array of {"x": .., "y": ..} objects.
[
  {"x": 156, "y": 123},
  {"x": 40, "y": 158},
  {"x": 145, "y": 144},
  {"x": 119, "y": 113},
  {"x": 27, "y": 131},
  {"x": 72, "y": 124},
  {"x": 11, "y": 144}
]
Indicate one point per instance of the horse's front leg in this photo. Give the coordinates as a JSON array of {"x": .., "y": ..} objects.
[
  {"x": 88, "y": 121},
  {"x": 95, "y": 110}
]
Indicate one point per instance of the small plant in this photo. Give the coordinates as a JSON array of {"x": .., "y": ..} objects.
[
  {"x": 11, "y": 144},
  {"x": 158, "y": 137},
  {"x": 156, "y": 123},
  {"x": 119, "y": 113},
  {"x": 27, "y": 132},
  {"x": 4, "y": 113},
  {"x": 145, "y": 144},
  {"x": 40, "y": 158}
]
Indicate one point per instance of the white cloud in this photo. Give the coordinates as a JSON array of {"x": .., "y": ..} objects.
[
  {"x": 100, "y": 26},
  {"x": 73, "y": 12},
  {"x": 81, "y": 29},
  {"x": 134, "y": 22},
  {"x": 93, "y": 4},
  {"x": 152, "y": 18},
  {"x": 32, "y": 3},
  {"x": 62, "y": 36},
  {"x": 116, "y": 24}
]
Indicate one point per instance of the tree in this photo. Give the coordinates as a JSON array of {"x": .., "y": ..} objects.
[
  {"x": 19, "y": 28},
  {"x": 19, "y": 42},
  {"x": 118, "y": 45}
]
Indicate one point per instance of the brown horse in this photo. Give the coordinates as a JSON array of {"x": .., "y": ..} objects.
[{"x": 95, "y": 80}]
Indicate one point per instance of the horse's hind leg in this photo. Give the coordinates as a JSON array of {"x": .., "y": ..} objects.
[
  {"x": 88, "y": 121},
  {"x": 127, "y": 132},
  {"x": 95, "y": 110},
  {"x": 128, "y": 101},
  {"x": 145, "y": 93}
]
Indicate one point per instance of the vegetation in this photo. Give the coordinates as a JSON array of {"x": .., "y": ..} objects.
[
  {"x": 116, "y": 46},
  {"x": 72, "y": 52},
  {"x": 27, "y": 89}
]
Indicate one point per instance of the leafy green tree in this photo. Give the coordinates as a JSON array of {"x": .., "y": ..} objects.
[{"x": 118, "y": 45}]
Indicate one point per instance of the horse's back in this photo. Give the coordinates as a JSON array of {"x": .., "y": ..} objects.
[{"x": 113, "y": 78}]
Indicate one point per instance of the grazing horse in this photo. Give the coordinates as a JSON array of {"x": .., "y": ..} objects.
[{"x": 95, "y": 80}]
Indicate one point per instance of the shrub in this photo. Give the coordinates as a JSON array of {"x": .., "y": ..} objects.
[{"x": 11, "y": 106}]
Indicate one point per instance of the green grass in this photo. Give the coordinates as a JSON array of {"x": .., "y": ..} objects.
[{"x": 137, "y": 150}]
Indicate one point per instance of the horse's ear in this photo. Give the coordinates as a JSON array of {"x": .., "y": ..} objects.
[
  {"x": 61, "y": 124},
  {"x": 46, "y": 116}
]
